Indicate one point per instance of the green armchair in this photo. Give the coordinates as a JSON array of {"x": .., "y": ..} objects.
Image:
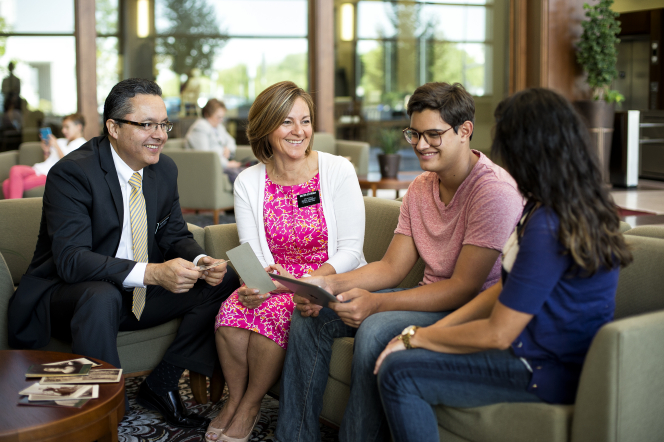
[{"x": 28, "y": 153}]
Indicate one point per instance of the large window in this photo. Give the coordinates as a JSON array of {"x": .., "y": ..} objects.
[
  {"x": 108, "y": 61},
  {"x": 37, "y": 39},
  {"x": 228, "y": 49},
  {"x": 401, "y": 45}
]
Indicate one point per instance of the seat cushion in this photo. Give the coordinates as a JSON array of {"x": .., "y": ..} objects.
[
  {"x": 507, "y": 422},
  {"x": 342, "y": 358}
]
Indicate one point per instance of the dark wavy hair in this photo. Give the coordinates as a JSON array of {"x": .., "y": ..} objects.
[
  {"x": 545, "y": 146},
  {"x": 452, "y": 101}
]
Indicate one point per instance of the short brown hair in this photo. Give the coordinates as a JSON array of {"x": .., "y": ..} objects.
[
  {"x": 75, "y": 118},
  {"x": 268, "y": 113},
  {"x": 452, "y": 101},
  {"x": 211, "y": 107}
]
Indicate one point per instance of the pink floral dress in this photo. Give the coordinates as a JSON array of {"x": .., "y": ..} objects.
[{"x": 297, "y": 238}]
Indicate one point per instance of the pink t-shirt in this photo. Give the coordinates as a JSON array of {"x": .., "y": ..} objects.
[{"x": 483, "y": 212}]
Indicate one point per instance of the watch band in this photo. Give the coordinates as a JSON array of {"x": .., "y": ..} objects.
[{"x": 406, "y": 335}]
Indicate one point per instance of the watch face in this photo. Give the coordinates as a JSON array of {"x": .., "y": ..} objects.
[{"x": 408, "y": 330}]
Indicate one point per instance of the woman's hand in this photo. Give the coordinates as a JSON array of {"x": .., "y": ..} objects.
[
  {"x": 250, "y": 297},
  {"x": 280, "y": 271},
  {"x": 394, "y": 345}
]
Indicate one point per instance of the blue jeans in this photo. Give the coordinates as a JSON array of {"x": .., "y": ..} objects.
[
  {"x": 307, "y": 366},
  {"x": 412, "y": 381}
]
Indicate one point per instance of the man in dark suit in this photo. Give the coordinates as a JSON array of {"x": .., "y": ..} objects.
[{"x": 114, "y": 254}]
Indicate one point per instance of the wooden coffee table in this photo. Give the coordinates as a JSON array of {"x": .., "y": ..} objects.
[
  {"x": 373, "y": 181},
  {"x": 96, "y": 420}
]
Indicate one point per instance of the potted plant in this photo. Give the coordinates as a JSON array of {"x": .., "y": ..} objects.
[
  {"x": 390, "y": 143},
  {"x": 597, "y": 55}
]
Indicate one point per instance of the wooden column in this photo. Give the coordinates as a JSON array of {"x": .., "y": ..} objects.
[
  {"x": 86, "y": 65},
  {"x": 321, "y": 62},
  {"x": 542, "y": 38}
]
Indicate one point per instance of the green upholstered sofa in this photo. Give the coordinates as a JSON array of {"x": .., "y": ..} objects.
[
  {"x": 620, "y": 395},
  {"x": 139, "y": 351},
  {"x": 28, "y": 153}
]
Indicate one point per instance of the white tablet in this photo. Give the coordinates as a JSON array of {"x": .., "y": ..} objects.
[{"x": 311, "y": 292}]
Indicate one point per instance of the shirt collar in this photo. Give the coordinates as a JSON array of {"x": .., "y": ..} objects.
[{"x": 124, "y": 171}]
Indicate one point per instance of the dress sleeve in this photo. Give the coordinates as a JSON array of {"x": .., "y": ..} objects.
[
  {"x": 539, "y": 265},
  {"x": 349, "y": 213}
]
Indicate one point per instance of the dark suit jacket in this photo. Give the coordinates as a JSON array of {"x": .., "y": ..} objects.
[{"x": 80, "y": 233}]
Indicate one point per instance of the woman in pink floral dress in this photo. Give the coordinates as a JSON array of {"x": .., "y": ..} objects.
[{"x": 302, "y": 212}]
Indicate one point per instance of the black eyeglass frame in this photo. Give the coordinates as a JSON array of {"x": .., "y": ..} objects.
[
  {"x": 167, "y": 126},
  {"x": 423, "y": 134}
]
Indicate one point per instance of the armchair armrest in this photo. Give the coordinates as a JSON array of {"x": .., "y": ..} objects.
[
  {"x": 358, "y": 151},
  {"x": 620, "y": 396},
  {"x": 221, "y": 238},
  {"x": 244, "y": 153},
  {"x": 30, "y": 153},
  {"x": 6, "y": 291},
  {"x": 7, "y": 161}
]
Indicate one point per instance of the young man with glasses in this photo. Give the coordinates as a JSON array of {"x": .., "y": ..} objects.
[
  {"x": 114, "y": 254},
  {"x": 456, "y": 216}
]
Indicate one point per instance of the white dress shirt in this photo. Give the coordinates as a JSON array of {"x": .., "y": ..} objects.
[{"x": 126, "y": 247}]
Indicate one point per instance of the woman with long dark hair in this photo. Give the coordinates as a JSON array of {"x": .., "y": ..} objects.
[{"x": 525, "y": 338}]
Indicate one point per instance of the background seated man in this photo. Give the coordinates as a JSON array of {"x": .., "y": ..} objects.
[
  {"x": 457, "y": 216},
  {"x": 209, "y": 133},
  {"x": 114, "y": 254}
]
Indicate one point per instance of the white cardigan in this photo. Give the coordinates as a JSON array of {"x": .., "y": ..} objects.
[{"x": 343, "y": 208}]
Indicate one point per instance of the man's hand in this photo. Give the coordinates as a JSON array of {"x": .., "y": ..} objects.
[
  {"x": 177, "y": 275},
  {"x": 306, "y": 307},
  {"x": 355, "y": 306},
  {"x": 233, "y": 164},
  {"x": 214, "y": 275},
  {"x": 250, "y": 297}
]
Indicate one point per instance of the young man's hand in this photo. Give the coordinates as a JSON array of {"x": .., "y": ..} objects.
[
  {"x": 355, "y": 306},
  {"x": 307, "y": 308}
]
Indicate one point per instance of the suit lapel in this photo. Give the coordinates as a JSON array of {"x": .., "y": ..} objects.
[
  {"x": 108, "y": 166},
  {"x": 150, "y": 193}
]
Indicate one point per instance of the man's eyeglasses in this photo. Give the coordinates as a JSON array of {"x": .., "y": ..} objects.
[
  {"x": 432, "y": 137},
  {"x": 148, "y": 127}
]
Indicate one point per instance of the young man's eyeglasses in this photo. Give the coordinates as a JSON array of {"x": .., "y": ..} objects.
[
  {"x": 433, "y": 137},
  {"x": 148, "y": 127}
]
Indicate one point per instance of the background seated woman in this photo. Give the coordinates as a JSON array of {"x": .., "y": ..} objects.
[
  {"x": 321, "y": 236},
  {"x": 208, "y": 133},
  {"x": 22, "y": 178},
  {"x": 525, "y": 339}
]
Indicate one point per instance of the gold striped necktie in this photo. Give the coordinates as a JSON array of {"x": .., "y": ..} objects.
[{"x": 139, "y": 234}]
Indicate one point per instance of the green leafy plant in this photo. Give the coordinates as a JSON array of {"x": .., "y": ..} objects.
[
  {"x": 597, "y": 52},
  {"x": 390, "y": 140}
]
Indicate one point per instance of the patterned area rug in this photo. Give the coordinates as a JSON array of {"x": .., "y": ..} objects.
[{"x": 142, "y": 425}]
